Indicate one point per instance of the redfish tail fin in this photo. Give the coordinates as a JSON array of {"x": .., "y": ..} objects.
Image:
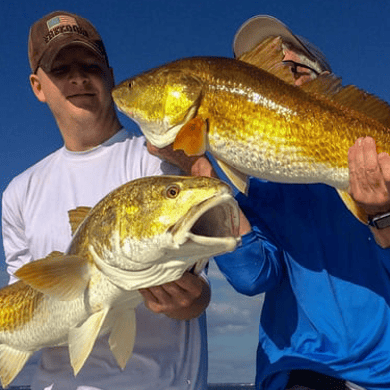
[{"x": 352, "y": 206}]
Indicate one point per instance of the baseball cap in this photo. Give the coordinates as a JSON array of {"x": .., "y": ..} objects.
[
  {"x": 57, "y": 30},
  {"x": 260, "y": 27}
]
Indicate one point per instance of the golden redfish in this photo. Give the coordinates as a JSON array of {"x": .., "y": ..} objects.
[
  {"x": 145, "y": 233},
  {"x": 254, "y": 123}
]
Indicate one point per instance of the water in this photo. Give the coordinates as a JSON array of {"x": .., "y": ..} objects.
[
  {"x": 17, "y": 388},
  {"x": 214, "y": 386},
  {"x": 230, "y": 386}
]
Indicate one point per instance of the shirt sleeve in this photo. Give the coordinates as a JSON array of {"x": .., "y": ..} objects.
[
  {"x": 14, "y": 240},
  {"x": 255, "y": 267}
]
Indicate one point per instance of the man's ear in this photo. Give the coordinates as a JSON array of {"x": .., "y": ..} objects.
[{"x": 37, "y": 87}]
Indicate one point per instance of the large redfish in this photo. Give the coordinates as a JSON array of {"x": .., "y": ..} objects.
[
  {"x": 254, "y": 123},
  {"x": 145, "y": 233}
]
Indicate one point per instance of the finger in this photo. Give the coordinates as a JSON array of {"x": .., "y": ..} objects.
[
  {"x": 364, "y": 169},
  {"x": 353, "y": 166},
  {"x": 156, "y": 299},
  {"x": 190, "y": 282},
  {"x": 151, "y": 149},
  {"x": 150, "y": 301},
  {"x": 360, "y": 173},
  {"x": 372, "y": 169},
  {"x": 384, "y": 163},
  {"x": 148, "y": 295},
  {"x": 352, "y": 158},
  {"x": 160, "y": 294},
  {"x": 202, "y": 167}
]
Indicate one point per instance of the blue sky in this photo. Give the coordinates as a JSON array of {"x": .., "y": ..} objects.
[{"x": 142, "y": 34}]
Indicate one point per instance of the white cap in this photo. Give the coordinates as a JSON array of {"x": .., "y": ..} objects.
[{"x": 260, "y": 27}]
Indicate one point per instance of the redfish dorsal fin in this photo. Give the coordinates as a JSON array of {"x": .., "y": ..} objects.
[
  {"x": 357, "y": 211},
  {"x": 77, "y": 216},
  {"x": 329, "y": 86},
  {"x": 364, "y": 102},
  {"x": 326, "y": 85},
  {"x": 268, "y": 55},
  {"x": 61, "y": 276}
]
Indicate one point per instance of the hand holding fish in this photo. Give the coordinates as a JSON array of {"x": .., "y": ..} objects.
[
  {"x": 182, "y": 299},
  {"x": 369, "y": 176},
  {"x": 194, "y": 165},
  {"x": 370, "y": 182}
]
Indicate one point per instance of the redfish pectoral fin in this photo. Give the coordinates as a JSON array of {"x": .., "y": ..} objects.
[
  {"x": 239, "y": 179},
  {"x": 192, "y": 137},
  {"x": 357, "y": 211},
  {"x": 82, "y": 339},
  {"x": 122, "y": 336},
  {"x": 61, "y": 276},
  {"x": 11, "y": 363}
]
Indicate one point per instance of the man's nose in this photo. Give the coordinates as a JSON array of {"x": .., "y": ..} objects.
[{"x": 78, "y": 75}]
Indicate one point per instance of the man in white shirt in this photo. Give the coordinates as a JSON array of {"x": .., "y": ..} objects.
[{"x": 71, "y": 73}]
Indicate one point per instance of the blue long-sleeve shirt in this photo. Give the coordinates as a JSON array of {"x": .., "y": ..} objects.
[{"x": 327, "y": 286}]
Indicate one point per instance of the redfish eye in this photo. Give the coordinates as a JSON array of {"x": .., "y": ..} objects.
[{"x": 172, "y": 191}]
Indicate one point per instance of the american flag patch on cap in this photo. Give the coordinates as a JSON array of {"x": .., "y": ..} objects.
[{"x": 60, "y": 21}]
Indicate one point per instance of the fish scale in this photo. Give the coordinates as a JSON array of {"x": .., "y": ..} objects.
[
  {"x": 275, "y": 150},
  {"x": 16, "y": 306},
  {"x": 31, "y": 322},
  {"x": 281, "y": 133}
]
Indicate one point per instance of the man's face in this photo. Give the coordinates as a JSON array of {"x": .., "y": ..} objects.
[
  {"x": 79, "y": 84},
  {"x": 302, "y": 73}
]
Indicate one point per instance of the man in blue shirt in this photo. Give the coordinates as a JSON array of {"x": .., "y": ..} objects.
[{"x": 325, "y": 320}]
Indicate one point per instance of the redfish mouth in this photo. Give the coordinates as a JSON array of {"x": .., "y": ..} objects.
[{"x": 213, "y": 223}]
